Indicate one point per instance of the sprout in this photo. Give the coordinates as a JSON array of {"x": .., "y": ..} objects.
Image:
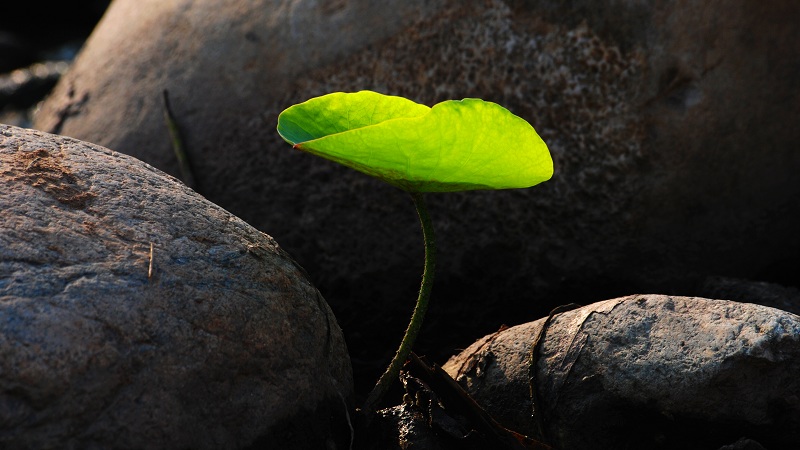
[{"x": 456, "y": 145}]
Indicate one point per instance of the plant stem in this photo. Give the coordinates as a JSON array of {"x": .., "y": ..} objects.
[{"x": 415, "y": 324}]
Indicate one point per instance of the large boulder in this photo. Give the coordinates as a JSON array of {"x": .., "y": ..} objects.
[
  {"x": 671, "y": 125},
  {"x": 645, "y": 371},
  {"x": 136, "y": 314}
]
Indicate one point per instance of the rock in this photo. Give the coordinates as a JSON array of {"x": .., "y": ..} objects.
[
  {"x": 671, "y": 127},
  {"x": 767, "y": 294},
  {"x": 645, "y": 371},
  {"x": 743, "y": 444},
  {"x": 211, "y": 338}
]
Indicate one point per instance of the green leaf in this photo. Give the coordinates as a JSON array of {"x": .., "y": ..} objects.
[{"x": 456, "y": 145}]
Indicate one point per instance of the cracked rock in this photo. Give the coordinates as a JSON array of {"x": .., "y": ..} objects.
[
  {"x": 136, "y": 314},
  {"x": 645, "y": 371}
]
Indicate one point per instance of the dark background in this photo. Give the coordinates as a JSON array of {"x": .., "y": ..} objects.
[{"x": 31, "y": 31}]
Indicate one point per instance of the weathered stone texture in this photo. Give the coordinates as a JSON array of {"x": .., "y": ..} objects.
[
  {"x": 645, "y": 371},
  {"x": 671, "y": 125},
  {"x": 216, "y": 339}
]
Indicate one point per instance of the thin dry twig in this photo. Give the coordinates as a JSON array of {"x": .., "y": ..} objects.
[
  {"x": 536, "y": 350},
  {"x": 456, "y": 399},
  {"x": 150, "y": 266}
]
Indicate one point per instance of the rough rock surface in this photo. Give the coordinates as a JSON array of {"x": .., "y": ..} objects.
[
  {"x": 671, "y": 125},
  {"x": 216, "y": 339},
  {"x": 767, "y": 294},
  {"x": 646, "y": 371}
]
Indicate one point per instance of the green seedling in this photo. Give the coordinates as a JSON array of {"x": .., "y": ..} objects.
[{"x": 456, "y": 145}]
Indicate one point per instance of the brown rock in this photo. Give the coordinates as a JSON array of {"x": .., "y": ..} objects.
[
  {"x": 211, "y": 338},
  {"x": 671, "y": 125},
  {"x": 646, "y": 371}
]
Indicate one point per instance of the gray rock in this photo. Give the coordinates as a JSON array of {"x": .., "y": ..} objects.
[
  {"x": 214, "y": 339},
  {"x": 767, "y": 294},
  {"x": 645, "y": 371},
  {"x": 671, "y": 125}
]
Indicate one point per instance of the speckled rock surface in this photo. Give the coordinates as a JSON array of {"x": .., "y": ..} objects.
[
  {"x": 216, "y": 341},
  {"x": 646, "y": 371},
  {"x": 671, "y": 125},
  {"x": 767, "y": 294}
]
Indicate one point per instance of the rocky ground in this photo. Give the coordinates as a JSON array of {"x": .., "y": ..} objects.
[{"x": 675, "y": 174}]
